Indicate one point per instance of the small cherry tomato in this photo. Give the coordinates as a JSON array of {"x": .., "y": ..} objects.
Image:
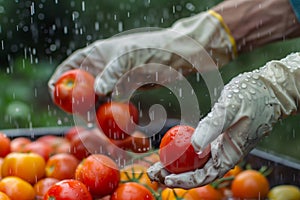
[
  {"x": 177, "y": 153},
  {"x": 74, "y": 91},
  {"x": 99, "y": 173},
  {"x": 137, "y": 173},
  {"x": 138, "y": 142},
  {"x": 28, "y": 166},
  {"x": 40, "y": 148},
  {"x": 250, "y": 184},
  {"x": 68, "y": 189},
  {"x": 178, "y": 193},
  {"x": 208, "y": 192},
  {"x": 17, "y": 144},
  {"x": 73, "y": 131},
  {"x": 132, "y": 190},
  {"x": 16, "y": 188},
  {"x": 117, "y": 120},
  {"x": 4, "y": 145},
  {"x": 61, "y": 166},
  {"x": 42, "y": 186}
]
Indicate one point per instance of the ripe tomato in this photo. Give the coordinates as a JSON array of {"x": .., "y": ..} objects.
[
  {"x": 68, "y": 189},
  {"x": 61, "y": 166},
  {"x": 1, "y": 162},
  {"x": 42, "y": 186},
  {"x": 3, "y": 196},
  {"x": 16, "y": 188},
  {"x": 178, "y": 193},
  {"x": 40, "y": 148},
  {"x": 4, "y": 145},
  {"x": 18, "y": 144},
  {"x": 208, "y": 192},
  {"x": 28, "y": 166},
  {"x": 137, "y": 142},
  {"x": 177, "y": 153},
  {"x": 73, "y": 131},
  {"x": 99, "y": 173},
  {"x": 117, "y": 120},
  {"x": 74, "y": 91},
  {"x": 137, "y": 173},
  {"x": 131, "y": 191},
  {"x": 250, "y": 184}
]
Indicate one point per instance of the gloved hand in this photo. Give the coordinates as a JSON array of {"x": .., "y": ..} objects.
[
  {"x": 108, "y": 60},
  {"x": 248, "y": 107}
]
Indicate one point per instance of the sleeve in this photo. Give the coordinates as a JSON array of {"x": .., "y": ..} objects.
[{"x": 296, "y": 8}]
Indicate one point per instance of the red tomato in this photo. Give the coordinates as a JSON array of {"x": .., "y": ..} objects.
[
  {"x": 61, "y": 166},
  {"x": 131, "y": 191},
  {"x": 18, "y": 144},
  {"x": 73, "y": 131},
  {"x": 4, "y": 145},
  {"x": 74, "y": 91},
  {"x": 115, "y": 121},
  {"x": 176, "y": 152},
  {"x": 250, "y": 184},
  {"x": 40, "y": 148},
  {"x": 137, "y": 142},
  {"x": 99, "y": 173},
  {"x": 42, "y": 186},
  {"x": 68, "y": 189}
]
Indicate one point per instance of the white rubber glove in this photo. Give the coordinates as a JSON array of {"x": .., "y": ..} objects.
[
  {"x": 110, "y": 59},
  {"x": 248, "y": 107}
]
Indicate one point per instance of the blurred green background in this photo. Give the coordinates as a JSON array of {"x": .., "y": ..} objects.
[{"x": 35, "y": 36}]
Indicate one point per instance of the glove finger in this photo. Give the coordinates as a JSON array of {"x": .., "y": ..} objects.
[
  {"x": 156, "y": 172},
  {"x": 216, "y": 122}
]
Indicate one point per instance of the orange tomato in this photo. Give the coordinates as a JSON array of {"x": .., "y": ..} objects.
[
  {"x": 1, "y": 162},
  {"x": 42, "y": 186},
  {"x": 250, "y": 184},
  {"x": 178, "y": 193},
  {"x": 16, "y": 188},
  {"x": 132, "y": 190},
  {"x": 3, "y": 196},
  {"x": 208, "y": 192},
  {"x": 28, "y": 166},
  {"x": 61, "y": 166},
  {"x": 136, "y": 172},
  {"x": 4, "y": 145}
]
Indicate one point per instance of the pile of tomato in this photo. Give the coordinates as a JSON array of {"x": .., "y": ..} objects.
[{"x": 46, "y": 168}]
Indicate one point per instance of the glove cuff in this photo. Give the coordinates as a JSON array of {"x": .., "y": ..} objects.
[{"x": 227, "y": 30}]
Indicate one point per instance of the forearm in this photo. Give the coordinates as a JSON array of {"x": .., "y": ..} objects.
[{"x": 254, "y": 23}]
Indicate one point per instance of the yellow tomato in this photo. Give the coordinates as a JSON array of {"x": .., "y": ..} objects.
[
  {"x": 179, "y": 193},
  {"x": 3, "y": 196},
  {"x": 16, "y": 188},
  {"x": 284, "y": 192},
  {"x": 28, "y": 166}
]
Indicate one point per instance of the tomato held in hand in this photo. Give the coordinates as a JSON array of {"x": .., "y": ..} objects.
[
  {"x": 132, "y": 190},
  {"x": 68, "y": 189},
  {"x": 176, "y": 152},
  {"x": 250, "y": 184},
  {"x": 99, "y": 173},
  {"x": 117, "y": 120},
  {"x": 74, "y": 91}
]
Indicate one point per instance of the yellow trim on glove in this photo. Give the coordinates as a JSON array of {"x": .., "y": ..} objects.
[{"x": 231, "y": 38}]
